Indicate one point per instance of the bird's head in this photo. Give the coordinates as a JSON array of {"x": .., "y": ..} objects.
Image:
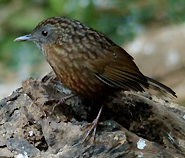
[{"x": 45, "y": 33}]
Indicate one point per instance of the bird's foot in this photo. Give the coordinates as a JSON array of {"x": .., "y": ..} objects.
[
  {"x": 62, "y": 101},
  {"x": 93, "y": 125}
]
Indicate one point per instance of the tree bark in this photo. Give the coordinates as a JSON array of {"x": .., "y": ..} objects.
[{"x": 131, "y": 125}]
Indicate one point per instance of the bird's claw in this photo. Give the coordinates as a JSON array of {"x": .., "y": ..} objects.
[
  {"x": 93, "y": 125},
  {"x": 93, "y": 128},
  {"x": 62, "y": 101}
]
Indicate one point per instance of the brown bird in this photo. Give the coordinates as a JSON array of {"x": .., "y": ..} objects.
[{"x": 88, "y": 62}]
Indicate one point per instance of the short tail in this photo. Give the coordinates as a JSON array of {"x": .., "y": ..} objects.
[{"x": 153, "y": 84}]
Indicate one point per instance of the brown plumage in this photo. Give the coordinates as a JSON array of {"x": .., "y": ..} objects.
[{"x": 86, "y": 61}]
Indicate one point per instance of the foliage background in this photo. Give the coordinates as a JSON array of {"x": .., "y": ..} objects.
[{"x": 121, "y": 20}]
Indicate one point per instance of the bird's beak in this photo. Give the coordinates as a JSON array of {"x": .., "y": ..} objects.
[{"x": 25, "y": 38}]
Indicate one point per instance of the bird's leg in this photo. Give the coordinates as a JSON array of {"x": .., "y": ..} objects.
[
  {"x": 63, "y": 100},
  {"x": 93, "y": 125}
]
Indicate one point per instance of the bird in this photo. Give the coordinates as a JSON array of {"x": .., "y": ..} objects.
[{"x": 88, "y": 62}]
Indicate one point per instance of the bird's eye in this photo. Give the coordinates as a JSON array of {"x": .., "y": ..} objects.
[{"x": 45, "y": 33}]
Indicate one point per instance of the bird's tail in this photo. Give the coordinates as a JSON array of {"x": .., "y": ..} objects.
[{"x": 153, "y": 84}]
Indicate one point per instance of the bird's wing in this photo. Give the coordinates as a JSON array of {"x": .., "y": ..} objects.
[{"x": 117, "y": 69}]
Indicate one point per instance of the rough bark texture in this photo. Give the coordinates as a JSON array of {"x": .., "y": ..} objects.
[{"x": 131, "y": 125}]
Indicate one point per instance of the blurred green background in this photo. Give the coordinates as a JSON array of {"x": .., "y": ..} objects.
[{"x": 121, "y": 20}]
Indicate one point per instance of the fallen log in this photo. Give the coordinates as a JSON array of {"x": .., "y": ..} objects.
[{"x": 132, "y": 124}]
